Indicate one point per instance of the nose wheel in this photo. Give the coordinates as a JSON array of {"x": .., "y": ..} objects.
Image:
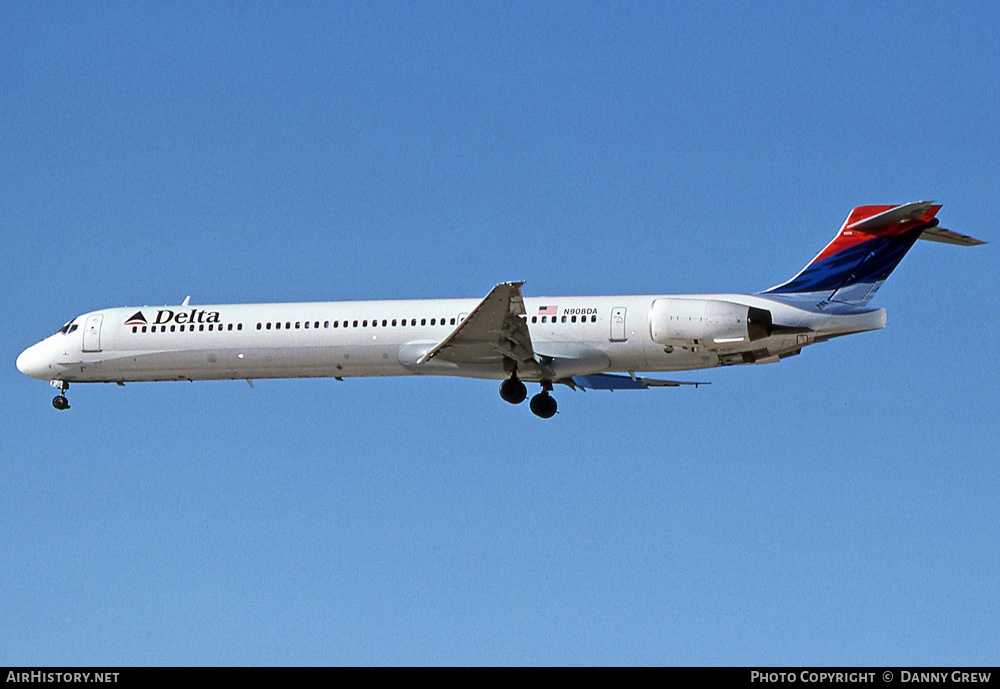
[{"x": 59, "y": 401}]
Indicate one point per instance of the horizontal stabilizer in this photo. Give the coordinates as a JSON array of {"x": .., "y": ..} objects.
[
  {"x": 939, "y": 234},
  {"x": 890, "y": 219},
  {"x": 607, "y": 381}
]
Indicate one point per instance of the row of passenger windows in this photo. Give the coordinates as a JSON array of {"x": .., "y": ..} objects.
[
  {"x": 385, "y": 323},
  {"x": 403, "y": 322},
  {"x": 555, "y": 319},
  {"x": 202, "y": 327}
]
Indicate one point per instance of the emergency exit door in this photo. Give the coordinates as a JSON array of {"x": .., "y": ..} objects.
[{"x": 618, "y": 324}]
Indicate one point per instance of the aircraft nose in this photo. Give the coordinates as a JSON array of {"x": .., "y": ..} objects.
[{"x": 32, "y": 362}]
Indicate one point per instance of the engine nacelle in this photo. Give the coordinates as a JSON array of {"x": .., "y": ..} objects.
[{"x": 707, "y": 323}]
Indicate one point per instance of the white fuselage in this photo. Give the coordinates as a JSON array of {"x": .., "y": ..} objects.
[{"x": 577, "y": 335}]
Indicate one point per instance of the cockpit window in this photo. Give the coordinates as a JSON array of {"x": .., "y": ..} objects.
[{"x": 68, "y": 328}]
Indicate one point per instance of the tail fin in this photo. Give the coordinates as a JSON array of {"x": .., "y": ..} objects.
[{"x": 871, "y": 243}]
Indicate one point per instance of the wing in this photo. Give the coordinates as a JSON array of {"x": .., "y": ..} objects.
[
  {"x": 493, "y": 332},
  {"x": 608, "y": 381}
]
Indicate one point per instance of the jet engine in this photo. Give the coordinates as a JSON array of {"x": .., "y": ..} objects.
[{"x": 707, "y": 323}]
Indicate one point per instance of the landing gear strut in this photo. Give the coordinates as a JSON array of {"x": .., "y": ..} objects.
[
  {"x": 59, "y": 401},
  {"x": 513, "y": 390},
  {"x": 543, "y": 404}
]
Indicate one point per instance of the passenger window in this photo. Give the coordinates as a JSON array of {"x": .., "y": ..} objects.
[
  {"x": 143, "y": 328},
  {"x": 239, "y": 326},
  {"x": 534, "y": 319},
  {"x": 288, "y": 326},
  {"x": 453, "y": 321},
  {"x": 201, "y": 328},
  {"x": 277, "y": 326},
  {"x": 423, "y": 321},
  {"x": 564, "y": 319},
  {"x": 573, "y": 319},
  {"x": 385, "y": 322},
  {"x": 135, "y": 328},
  {"x": 298, "y": 325},
  {"x": 173, "y": 328},
  {"x": 268, "y": 326},
  {"x": 433, "y": 321},
  {"x": 393, "y": 322}
]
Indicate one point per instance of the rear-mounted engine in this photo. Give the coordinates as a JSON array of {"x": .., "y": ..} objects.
[{"x": 707, "y": 323}]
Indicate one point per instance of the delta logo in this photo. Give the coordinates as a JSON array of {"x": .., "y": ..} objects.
[{"x": 164, "y": 316}]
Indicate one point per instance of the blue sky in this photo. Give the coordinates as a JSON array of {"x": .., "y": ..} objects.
[{"x": 836, "y": 508}]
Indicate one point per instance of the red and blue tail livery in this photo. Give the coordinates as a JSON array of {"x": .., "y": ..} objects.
[{"x": 871, "y": 243}]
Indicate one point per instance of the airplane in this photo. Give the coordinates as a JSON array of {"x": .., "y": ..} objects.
[{"x": 582, "y": 342}]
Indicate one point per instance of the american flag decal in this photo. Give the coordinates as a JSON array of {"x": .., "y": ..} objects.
[{"x": 548, "y": 310}]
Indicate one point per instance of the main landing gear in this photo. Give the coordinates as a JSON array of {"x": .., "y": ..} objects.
[
  {"x": 59, "y": 401},
  {"x": 513, "y": 390},
  {"x": 542, "y": 405}
]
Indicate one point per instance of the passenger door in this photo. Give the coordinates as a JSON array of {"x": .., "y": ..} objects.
[{"x": 92, "y": 333}]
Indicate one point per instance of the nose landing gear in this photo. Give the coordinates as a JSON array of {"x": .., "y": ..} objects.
[{"x": 59, "y": 401}]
